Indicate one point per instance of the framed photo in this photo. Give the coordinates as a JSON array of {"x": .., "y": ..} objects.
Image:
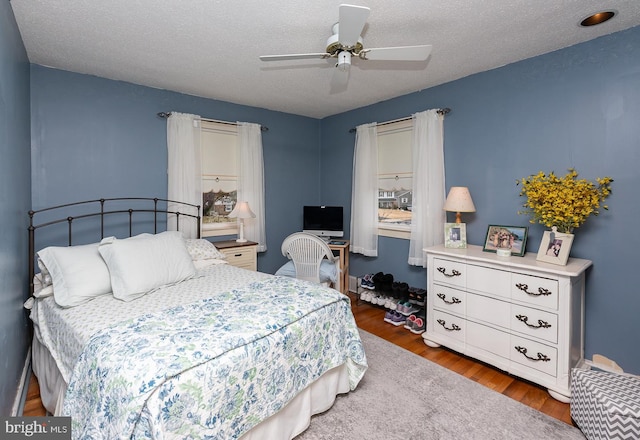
[
  {"x": 555, "y": 247},
  {"x": 455, "y": 235},
  {"x": 513, "y": 238}
]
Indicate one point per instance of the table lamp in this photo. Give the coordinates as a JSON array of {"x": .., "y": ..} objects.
[
  {"x": 241, "y": 211},
  {"x": 459, "y": 200}
]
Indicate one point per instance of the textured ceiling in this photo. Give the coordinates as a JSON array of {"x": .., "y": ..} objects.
[{"x": 210, "y": 48}]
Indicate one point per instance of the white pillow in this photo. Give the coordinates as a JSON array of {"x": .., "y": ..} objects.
[
  {"x": 202, "y": 249},
  {"x": 78, "y": 273},
  {"x": 143, "y": 263}
]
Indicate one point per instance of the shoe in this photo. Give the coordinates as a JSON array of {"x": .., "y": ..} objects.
[
  {"x": 418, "y": 326},
  {"x": 394, "y": 318},
  {"x": 387, "y": 284},
  {"x": 421, "y": 294},
  {"x": 377, "y": 281},
  {"x": 366, "y": 282},
  {"x": 410, "y": 322}
]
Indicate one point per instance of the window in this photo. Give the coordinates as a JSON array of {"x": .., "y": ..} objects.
[
  {"x": 395, "y": 178},
  {"x": 219, "y": 150}
]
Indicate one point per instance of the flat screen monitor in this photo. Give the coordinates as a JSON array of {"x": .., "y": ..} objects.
[{"x": 323, "y": 221}]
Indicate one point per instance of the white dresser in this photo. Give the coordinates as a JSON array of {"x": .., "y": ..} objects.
[{"x": 523, "y": 316}]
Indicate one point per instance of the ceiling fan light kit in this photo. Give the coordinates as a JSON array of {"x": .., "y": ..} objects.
[
  {"x": 346, "y": 41},
  {"x": 344, "y": 60}
]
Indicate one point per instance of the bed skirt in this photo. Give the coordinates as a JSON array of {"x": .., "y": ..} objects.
[{"x": 289, "y": 422}]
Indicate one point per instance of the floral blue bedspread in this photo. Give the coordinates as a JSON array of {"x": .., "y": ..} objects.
[{"x": 215, "y": 368}]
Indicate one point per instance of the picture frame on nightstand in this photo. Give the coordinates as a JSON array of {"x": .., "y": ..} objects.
[{"x": 455, "y": 235}]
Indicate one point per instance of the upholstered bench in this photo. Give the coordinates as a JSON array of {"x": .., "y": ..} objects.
[{"x": 605, "y": 405}]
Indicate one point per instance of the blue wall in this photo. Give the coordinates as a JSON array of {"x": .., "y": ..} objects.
[
  {"x": 578, "y": 107},
  {"x": 94, "y": 137},
  {"x": 15, "y": 200}
]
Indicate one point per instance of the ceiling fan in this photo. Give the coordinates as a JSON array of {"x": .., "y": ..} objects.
[{"x": 346, "y": 42}]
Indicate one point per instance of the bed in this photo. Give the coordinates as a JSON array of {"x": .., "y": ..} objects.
[{"x": 155, "y": 336}]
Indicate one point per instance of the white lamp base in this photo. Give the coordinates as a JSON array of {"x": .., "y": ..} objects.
[{"x": 241, "y": 238}]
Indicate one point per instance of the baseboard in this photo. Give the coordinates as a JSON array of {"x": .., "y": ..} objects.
[{"x": 23, "y": 387}]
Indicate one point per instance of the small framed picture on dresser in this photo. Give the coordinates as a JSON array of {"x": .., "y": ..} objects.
[
  {"x": 455, "y": 235},
  {"x": 555, "y": 247},
  {"x": 511, "y": 238}
]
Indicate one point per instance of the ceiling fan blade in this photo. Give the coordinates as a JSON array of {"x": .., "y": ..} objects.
[
  {"x": 402, "y": 53},
  {"x": 295, "y": 56},
  {"x": 352, "y": 21},
  {"x": 339, "y": 80}
]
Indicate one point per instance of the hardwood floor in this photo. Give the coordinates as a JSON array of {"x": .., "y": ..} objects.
[{"x": 370, "y": 319}]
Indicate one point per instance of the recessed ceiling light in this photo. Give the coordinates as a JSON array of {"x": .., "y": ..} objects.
[{"x": 597, "y": 18}]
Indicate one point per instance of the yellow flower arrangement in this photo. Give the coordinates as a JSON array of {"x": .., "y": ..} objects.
[{"x": 565, "y": 202}]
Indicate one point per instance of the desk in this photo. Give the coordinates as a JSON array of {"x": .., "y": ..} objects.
[{"x": 341, "y": 249}]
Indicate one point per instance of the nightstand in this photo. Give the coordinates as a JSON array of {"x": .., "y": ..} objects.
[{"x": 244, "y": 255}]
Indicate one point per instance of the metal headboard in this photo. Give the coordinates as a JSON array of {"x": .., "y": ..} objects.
[{"x": 104, "y": 212}]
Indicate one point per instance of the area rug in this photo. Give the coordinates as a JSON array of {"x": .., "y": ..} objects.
[{"x": 406, "y": 397}]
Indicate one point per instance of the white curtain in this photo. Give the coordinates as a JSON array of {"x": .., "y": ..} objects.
[
  {"x": 251, "y": 181},
  {"x": 183, "y": 169},
  {"x": 364, "y": 197},
  {"x": 428, "y": 217}
]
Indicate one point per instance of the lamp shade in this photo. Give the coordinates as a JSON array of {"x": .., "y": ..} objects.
[
  {"x": 242, "y": 210},
  {"x": 459, "y": 200}
]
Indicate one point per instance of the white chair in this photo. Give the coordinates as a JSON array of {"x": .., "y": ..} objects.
[{"x": 309, "y": 255}]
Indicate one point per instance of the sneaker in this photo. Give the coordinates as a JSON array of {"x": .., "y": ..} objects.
[
  {"x": 410, "y": 322},
  {"x": 418, "y": 326},
  {"x": 420, "y": 297},
  {"x": 394, "y": 318},
  {"x": 366, "y": 282}
]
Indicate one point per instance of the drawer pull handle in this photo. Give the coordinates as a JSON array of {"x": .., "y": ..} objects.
[
  {"x": 541, "y": 357},
  {"x": 525, "y": 289},
  {"x": 443, "y": 297},
  {"x": 541, "y": 323},
  {"x": 237, "y": 255},
  {"x": 454, "y": 273},
  {"x": 451, "y": 329}
]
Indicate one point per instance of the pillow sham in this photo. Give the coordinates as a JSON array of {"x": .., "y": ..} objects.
[
  {"x": 78, "y": 273},
  {"x": 202, "y": 249},
  {"x": 143, "y": 263}
]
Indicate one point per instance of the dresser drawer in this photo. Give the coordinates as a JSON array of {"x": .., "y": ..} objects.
[
  {"x": 488, "y": 339},
  {"x": 242, "y": 256},
  {"x": 533, "y": 322},
  {"x": 449, "y": 325},
  {"x": 541, "y": 292},
  {"x": 492, "y": 281},
  {"x": 489, "y": 310},
  {"x": 449, "y": 272},
  {"x": 449, "y": 299},
  {"x": 534, "y": 355}
]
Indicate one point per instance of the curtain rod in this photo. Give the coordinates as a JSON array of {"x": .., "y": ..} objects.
[
  {"x": 165, "y": 115},
  {"x": 442, "y": 111}
]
